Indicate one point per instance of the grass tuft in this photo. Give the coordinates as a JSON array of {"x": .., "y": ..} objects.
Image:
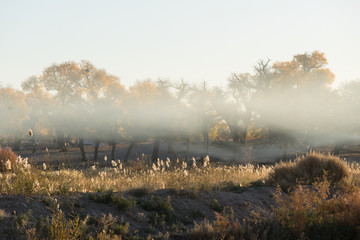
[{"x": 309, "y": 169}]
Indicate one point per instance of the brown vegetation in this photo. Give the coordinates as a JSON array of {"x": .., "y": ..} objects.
[
  {"x": 319, "y": 212},
  {"x": 309, "y": 169},
  {"x": 7, "y": 157}
]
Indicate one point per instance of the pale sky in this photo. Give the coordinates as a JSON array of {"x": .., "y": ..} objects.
[{"x": 191, "y": 39}]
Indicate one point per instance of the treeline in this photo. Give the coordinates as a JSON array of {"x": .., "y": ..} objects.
[{"x": 279, "y": 101}]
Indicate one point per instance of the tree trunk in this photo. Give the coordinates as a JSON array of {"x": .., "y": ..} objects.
[
  {"x": 113, "y": 147},
  {"x": 60, "y": 139},
  {"x": 155, "y": 152},
  {"x": 96, "y": 150},
  {"x": 82, "y": 149},
  {"x": 128, "y": 151}
]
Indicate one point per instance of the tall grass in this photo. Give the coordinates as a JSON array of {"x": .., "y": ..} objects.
[{"x": 170, "y": 174}]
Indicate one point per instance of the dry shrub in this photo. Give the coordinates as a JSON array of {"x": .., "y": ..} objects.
[
  {"x": 137, "y": 165},
  {"x": 5, "y": 155},
  {"x": 227, "y": 227},
  {"x": 224, "y": 227},
  {"x": 317, "y": 213},
  {"x": 308, "y": 169}
]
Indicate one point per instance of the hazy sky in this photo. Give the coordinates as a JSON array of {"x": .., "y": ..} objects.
[{"x": 191, "y": 39}]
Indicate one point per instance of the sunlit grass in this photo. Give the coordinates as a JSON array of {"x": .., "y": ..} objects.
[
  {"x": 204, "y": 175},
  {"x": 174, "y": 174}
]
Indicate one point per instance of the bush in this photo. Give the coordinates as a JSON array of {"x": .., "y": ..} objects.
[
  {"x": 226, "y": 226},
  {"x": 316, "y": 213},
  {"x": 162, "y": 207},
  {"x": 109, "y": 197},
  {"x": 309, "y": 169},
  {"x": 5, "y": 155},
  {"x": 159, "y": 205}
]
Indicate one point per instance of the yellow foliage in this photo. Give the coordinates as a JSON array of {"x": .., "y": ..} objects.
[
  {"x": 219, "y": 131},
  {"x": 256, "y": 132}
]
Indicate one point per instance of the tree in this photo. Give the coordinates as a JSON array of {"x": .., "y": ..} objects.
[
  {"x": 114, "y": 97},
  {"x": 204, "y": 114},
  {"x": 346, "y": 115},
  {"x": 40, "y": 102},
  {"x": 95, "y": 84},
  {"x": 14, "y": 111},
  {"x": 141, "y": 119},
  {"x": 64, "y": 80},
  {"x": 238, "y": 111},
  {"x": 187, "y": 124},
  {"x": 304, "y": 70},
  {"x": 230, "y": 110},
  {"x": 297, "y": 96}
]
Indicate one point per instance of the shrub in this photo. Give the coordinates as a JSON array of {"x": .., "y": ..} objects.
[
  {"x": 227, "y": 227},
  {"x": 316, "y": 213},
  {"x": 164, "y": 212},
  {"x": 159, "y": 205},
  {"x": 308, "y": 169},
  {"x": 5, "y": 155},
  {"x": 109, "y": 197},
  {"x": 110, "y": 228}
]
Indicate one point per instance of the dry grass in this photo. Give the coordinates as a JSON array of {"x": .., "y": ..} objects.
[
  {"x": 308, "y": 169},
  {"x": 7, "y": 159},
  {"x": 66, "y": 226},
  {"x": 226, "y": 226},
  {"x": 319, "y": 212},
  {"x": 170, "y": 175}
]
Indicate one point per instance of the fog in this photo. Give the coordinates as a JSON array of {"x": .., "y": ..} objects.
[{"x": 269, "y": 105}]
